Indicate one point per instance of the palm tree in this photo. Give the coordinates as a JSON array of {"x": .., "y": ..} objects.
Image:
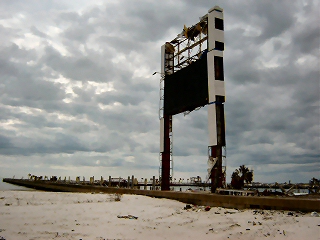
[
  {"x": 243, "y": 170},
  {"x": 237, "y": 181}
]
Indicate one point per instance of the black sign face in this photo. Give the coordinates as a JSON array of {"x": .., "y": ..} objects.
[{"x": 187, "y": 88}]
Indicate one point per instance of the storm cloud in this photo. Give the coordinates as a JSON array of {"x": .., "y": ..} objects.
[{"x": 77, "y": 94}]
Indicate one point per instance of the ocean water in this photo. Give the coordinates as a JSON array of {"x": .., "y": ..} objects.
[{"x": 10, "y": 187}]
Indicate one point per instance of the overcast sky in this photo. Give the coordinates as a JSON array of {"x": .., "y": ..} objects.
[{"x": 78, "y": 98}]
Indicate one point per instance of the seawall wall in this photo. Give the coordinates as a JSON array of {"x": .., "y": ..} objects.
[{"x": 197, "y": 198}]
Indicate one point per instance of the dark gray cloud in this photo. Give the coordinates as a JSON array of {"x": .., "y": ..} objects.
[
  {"x": 77, "y": 93},
  {"x": 38, "y": 33}
]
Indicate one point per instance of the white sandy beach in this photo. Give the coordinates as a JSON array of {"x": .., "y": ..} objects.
[{"x": 49, "y": 215}]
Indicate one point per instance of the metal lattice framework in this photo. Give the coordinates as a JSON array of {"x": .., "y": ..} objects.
[{"x": 188, "y": 46}]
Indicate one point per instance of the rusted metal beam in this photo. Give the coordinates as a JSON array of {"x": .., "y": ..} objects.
[
  {"x": 165, "y": 168},
  {"x": 191, "y": 46}
]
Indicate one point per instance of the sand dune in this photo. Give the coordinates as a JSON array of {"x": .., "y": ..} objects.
[{"x": 48, "y": 215}]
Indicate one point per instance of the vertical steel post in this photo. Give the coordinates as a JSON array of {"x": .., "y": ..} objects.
[
  {"x": 165, "y": 168},
  {"x": 216, "y": 120},
  {"x": 167, "y": 68},
  {"x": 216, "y": 151}
]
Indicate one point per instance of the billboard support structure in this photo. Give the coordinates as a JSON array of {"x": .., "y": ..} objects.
[
  {"x": 166, "y": 161},
  {"x": 216, "y": 119},
  {"x": 191, "y": 77}
]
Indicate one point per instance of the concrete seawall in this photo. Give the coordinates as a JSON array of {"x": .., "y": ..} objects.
[{"x": 207, "y": 199}]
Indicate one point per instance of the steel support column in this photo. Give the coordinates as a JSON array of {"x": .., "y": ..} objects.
[
  {"x": 216, "y": 172},
  {"x": 216, "y": 151},
  {"x": 165, "y": 168}
]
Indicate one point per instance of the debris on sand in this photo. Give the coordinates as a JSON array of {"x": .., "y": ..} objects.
[{"x": 127, "y": 217}]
